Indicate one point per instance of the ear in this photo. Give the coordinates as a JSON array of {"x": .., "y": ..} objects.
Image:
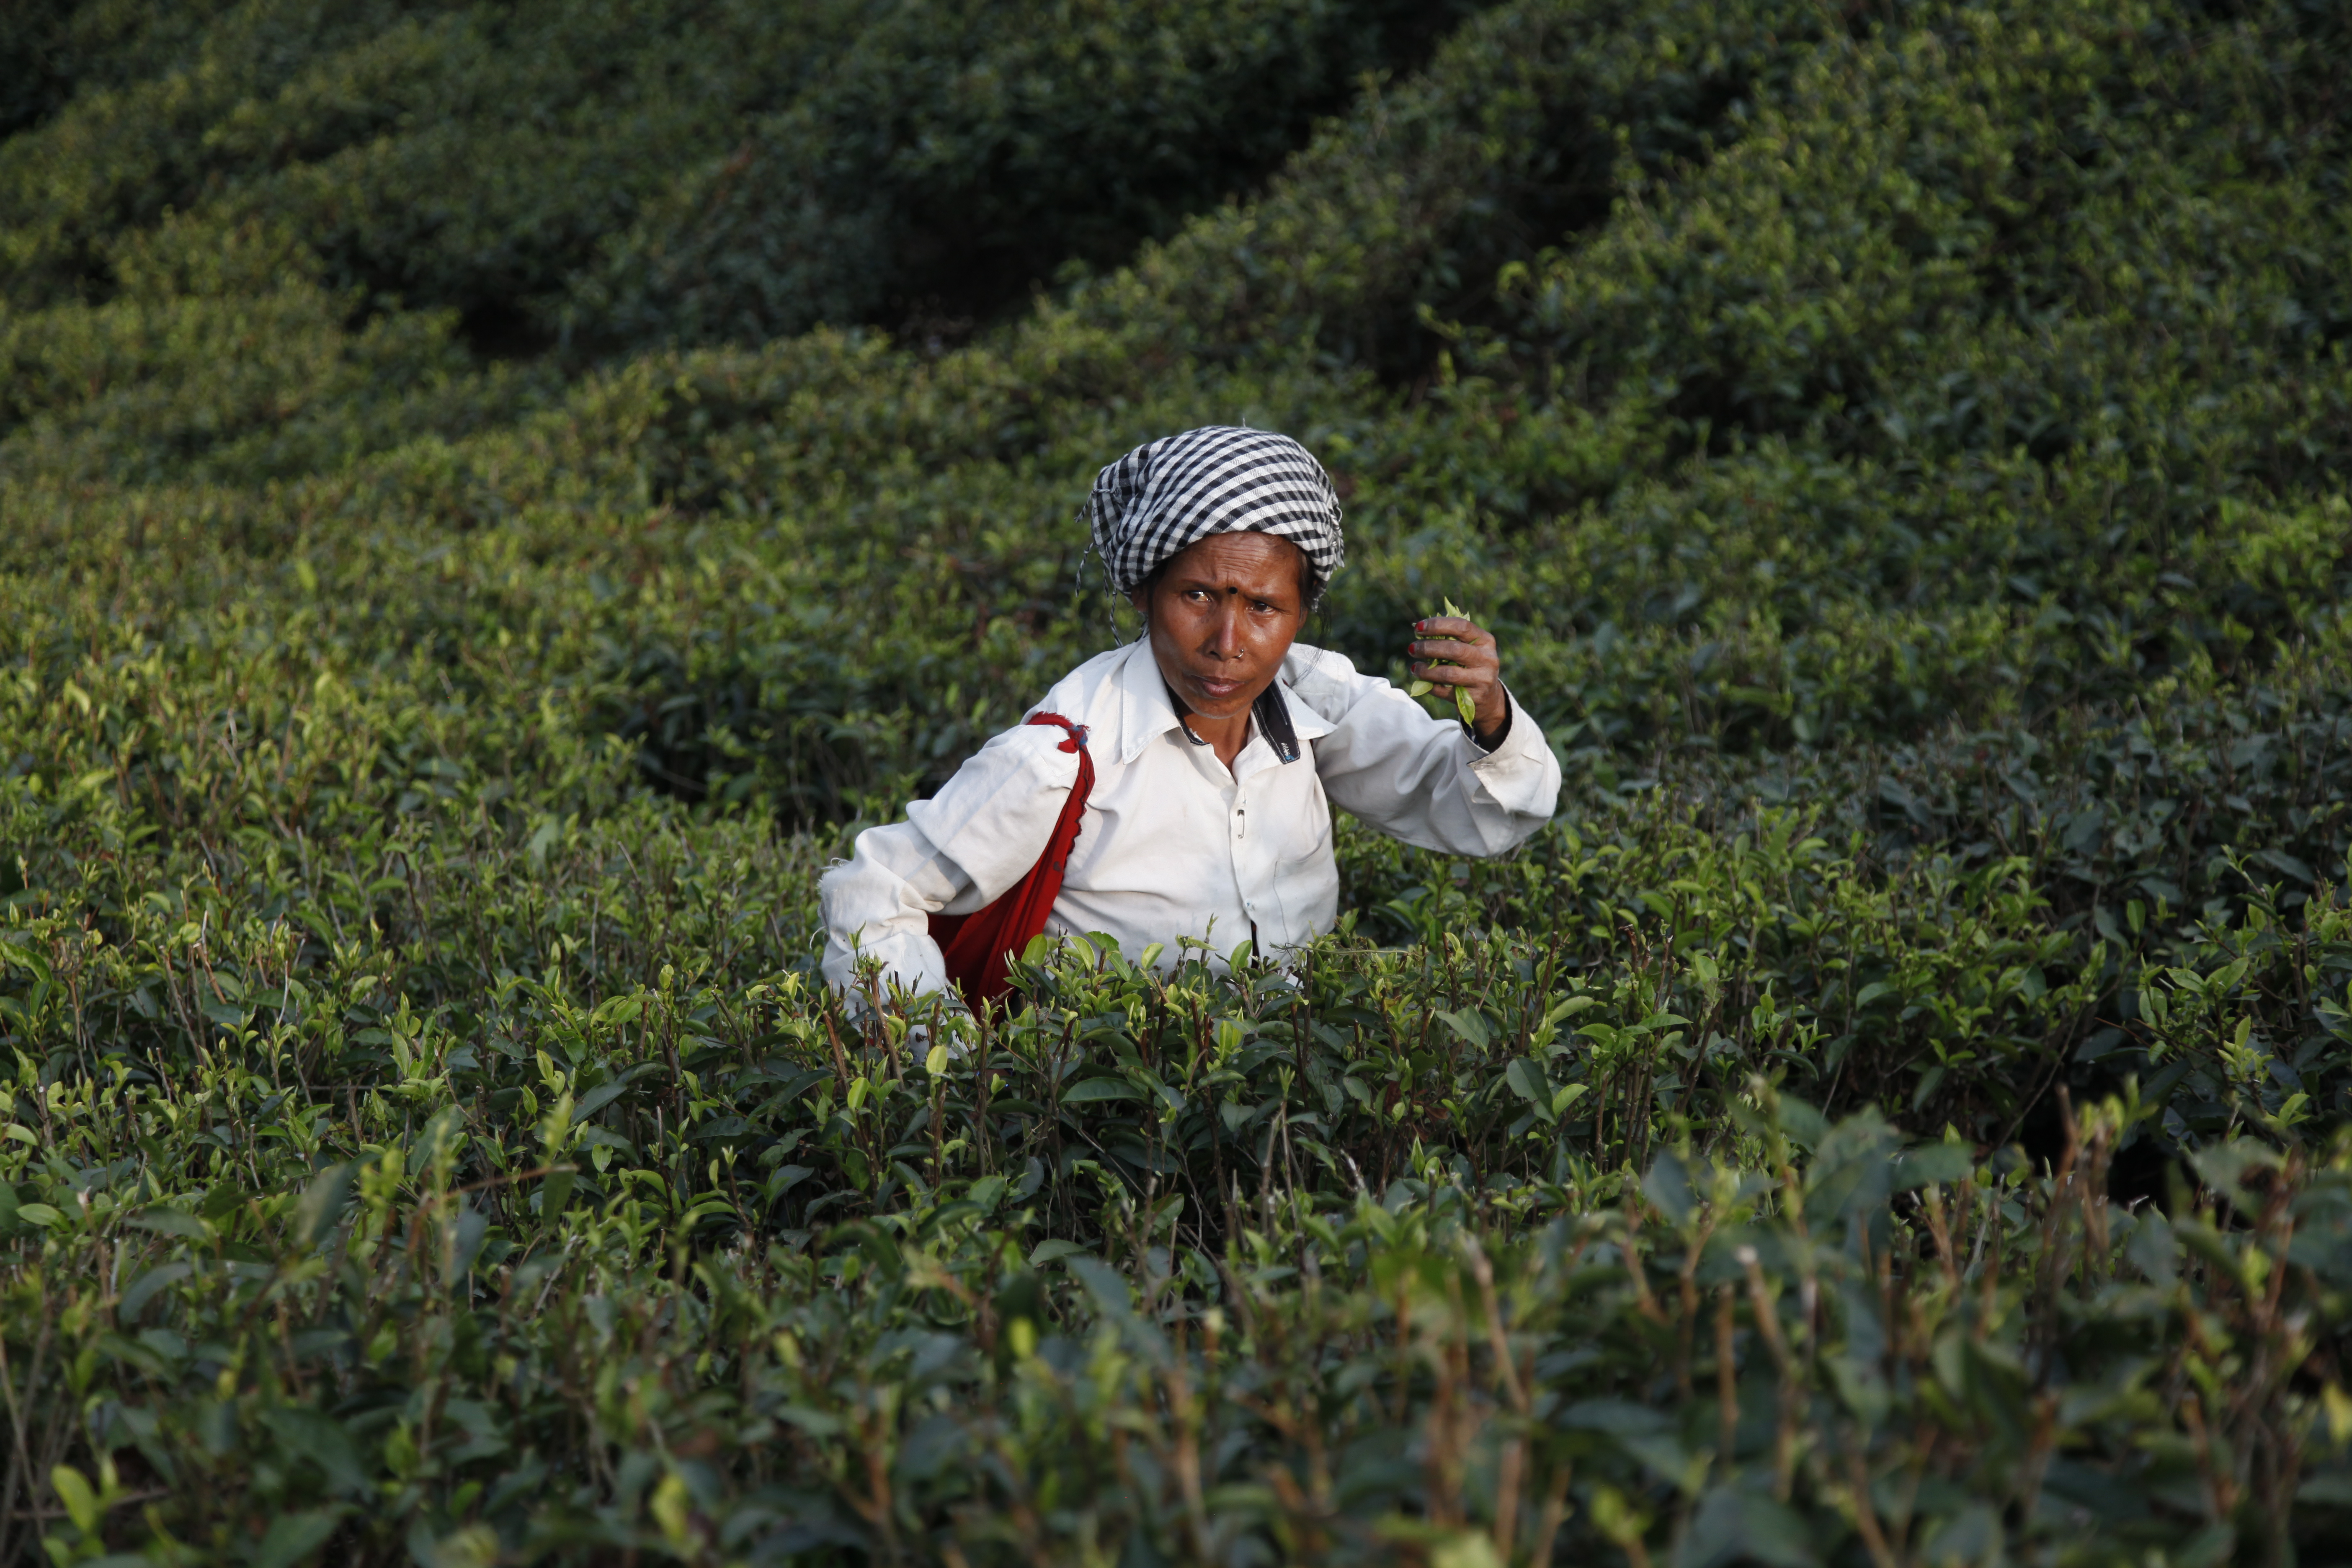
[{"x": 1141, "y": 600}]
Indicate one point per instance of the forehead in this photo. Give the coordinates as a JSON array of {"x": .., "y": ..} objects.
[{"x": 1245, "y": 560}]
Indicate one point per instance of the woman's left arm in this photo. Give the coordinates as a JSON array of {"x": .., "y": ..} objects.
[{"x": 1424, "y": 780}]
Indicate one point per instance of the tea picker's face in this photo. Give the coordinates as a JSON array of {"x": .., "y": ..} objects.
[{"x": 1224, "y": 613}]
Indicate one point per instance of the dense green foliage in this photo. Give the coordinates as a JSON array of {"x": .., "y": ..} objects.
[
  {"x": 650, "y": 173},
  {"x": 1892, "y": 1116}
]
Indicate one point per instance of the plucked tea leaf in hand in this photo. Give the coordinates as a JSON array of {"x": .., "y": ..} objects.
[{"x": 1462, "y": 703}]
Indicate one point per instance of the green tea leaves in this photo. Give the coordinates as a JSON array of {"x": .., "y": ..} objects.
[{"x": 1463, "y": 704}]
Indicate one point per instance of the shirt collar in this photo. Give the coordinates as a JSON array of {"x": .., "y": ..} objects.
[{"x": 1145, "y": 713}]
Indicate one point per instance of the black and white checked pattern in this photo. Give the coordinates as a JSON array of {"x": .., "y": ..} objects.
[{"x": 1168, "y": 494}]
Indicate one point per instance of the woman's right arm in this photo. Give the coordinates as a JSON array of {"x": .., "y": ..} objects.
[
  {"x": 881, "y": 900},
  {"x": 956, "y": 852}
]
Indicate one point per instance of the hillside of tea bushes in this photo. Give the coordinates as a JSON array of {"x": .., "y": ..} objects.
[{"x": 491, "y": 499}]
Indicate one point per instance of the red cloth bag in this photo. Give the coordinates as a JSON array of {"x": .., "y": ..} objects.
[{"x": 979, "y": 945}]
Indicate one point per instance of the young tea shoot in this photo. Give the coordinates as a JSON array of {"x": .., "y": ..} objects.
[{"x": 1462, "y": 702}]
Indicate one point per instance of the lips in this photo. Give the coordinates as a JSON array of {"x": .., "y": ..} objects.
[{"x": 1208, "y": 688}]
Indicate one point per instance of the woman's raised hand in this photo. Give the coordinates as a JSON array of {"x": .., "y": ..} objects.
[{"x": 1474, "y": 665}]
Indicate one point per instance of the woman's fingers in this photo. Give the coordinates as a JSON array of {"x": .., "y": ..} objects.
[
  {"x": 1458, "y": 672},
  {"x": 1454, "y": 628},
  {"x": 1450, "y": 651},
  {"x": 1466, "y": 648}
]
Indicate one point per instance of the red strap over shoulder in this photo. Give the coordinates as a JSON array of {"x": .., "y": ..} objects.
[{"x": 979, "y": 947}]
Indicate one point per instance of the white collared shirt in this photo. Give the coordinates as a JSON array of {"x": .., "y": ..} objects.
[{"x": 1173, "y": 843}]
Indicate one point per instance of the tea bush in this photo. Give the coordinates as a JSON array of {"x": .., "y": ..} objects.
[
  {"x": 1895, "y": 1115},
  {"x": 651, "y": 174}
]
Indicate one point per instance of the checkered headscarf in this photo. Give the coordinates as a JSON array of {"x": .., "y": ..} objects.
[{"x": 1170, "y": 494}]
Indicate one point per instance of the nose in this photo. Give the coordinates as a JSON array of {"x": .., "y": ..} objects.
[{"x": 1226, "y": 630}]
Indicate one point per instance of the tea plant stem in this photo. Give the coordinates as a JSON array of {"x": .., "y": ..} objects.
[
  {"x": 1767, "y": 1325},
  {"x": 1726, "y": 1380}
]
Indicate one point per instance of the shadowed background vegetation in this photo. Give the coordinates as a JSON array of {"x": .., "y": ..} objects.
[{"x": 493, "y": 496}]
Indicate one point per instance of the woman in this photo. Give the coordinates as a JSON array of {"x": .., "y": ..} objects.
[{"x": 1217, "y": 743}]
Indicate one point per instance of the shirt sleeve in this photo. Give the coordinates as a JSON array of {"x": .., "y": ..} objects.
[
  {"x": 956, "y": 852},
  {"x": 1422, "y": 779}
]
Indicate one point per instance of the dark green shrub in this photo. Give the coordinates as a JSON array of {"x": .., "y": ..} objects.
[
  {"x": 643, "y": 175},
  {"x": 1901, "y": 449}
]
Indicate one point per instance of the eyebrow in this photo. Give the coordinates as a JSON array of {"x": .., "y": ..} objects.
[{"x": 1185, "y": 584}]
